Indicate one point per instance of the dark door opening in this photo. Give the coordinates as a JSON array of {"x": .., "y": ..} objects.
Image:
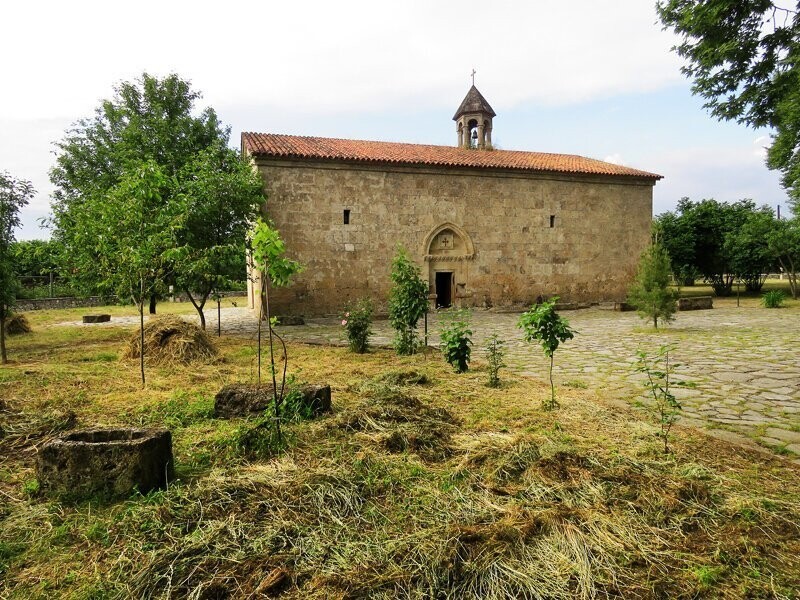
[{"x": 444, "y": 289}]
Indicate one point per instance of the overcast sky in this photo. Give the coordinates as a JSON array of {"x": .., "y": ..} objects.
[{"x": 588, "y": 77}]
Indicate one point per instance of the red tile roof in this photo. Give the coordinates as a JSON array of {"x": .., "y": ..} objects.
[{"x": 299, "y": 147}]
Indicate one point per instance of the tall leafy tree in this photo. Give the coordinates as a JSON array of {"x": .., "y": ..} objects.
[
  {"x": 132, "y": 231},
  {"x": 651, "y": 293},
  {"x": 14, "y": 194},
  {"x": 711, "y": 224},
  {"x": 784, "y": 243},
  {"x": 148, "y": 121},
  {"x": 677, "y": 238},
  {"x": 744, "y": 59},
  {"x": 748, "y": 247},
  {"x": 222, "y": 196}
]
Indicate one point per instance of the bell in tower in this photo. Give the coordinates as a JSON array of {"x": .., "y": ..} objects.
[{"x": 474, "y": 121}]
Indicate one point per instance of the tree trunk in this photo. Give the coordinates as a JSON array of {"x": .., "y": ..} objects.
[
  {"x": 141, "y": 328},
  {"x": 198, "y": 306},
  {"x": 152, "y": 304},
  {"x": 3, "y": 355}
]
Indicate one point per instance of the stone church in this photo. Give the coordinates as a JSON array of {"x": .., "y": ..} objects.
[{"x": 487, "y": 227}]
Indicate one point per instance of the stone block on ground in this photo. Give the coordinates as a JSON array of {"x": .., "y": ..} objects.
[
  {"x": 240, "y": 400},
  {"x": 96, "y": 318},
  {"x": 105, "y": 462},
  {"x": 291, "y": 321},
  {"x": 696, "y": 303}
]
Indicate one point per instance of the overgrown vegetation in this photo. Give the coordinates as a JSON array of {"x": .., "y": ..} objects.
[
  {"x": 408, "y": 301},
  {"x": 422, "y": 483},
  {"x": 495, "y": 351},
  {"x": 773, "y": 299},
  {"x": 456, "y": 338},
  {"x": 357, "y": 321}
]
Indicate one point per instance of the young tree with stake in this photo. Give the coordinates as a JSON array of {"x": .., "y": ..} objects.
[{"x": 14, "y": 194}]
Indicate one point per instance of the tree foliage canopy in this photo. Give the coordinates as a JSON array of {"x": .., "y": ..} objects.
[
  {"x": 720, "y": 241},
  {"x": 744, "y": 59},
  {"x": 207, "y": 194}
]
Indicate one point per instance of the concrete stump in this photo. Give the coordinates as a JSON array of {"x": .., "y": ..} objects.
[
  {"x": 106, "y": 462},
  {"x": 96, "y": 318},
  {"x": 696, "y": 303},
  {"x": 240, "y": 400}
]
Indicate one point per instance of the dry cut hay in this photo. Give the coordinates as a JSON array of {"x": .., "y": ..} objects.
[
  {"x": 17, "y": 325},
  {"x": 169, "y": 340}
]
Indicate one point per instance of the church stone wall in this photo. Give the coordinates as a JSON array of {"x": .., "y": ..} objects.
[{"x": 491, "y": 230}]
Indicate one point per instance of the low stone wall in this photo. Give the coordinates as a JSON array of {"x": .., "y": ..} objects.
[
  {"x": 55, "y": 303},
  {"x": 697, "y": 303}
]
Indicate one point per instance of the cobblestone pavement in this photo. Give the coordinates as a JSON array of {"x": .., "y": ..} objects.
[{"x": 744, "y": 362}]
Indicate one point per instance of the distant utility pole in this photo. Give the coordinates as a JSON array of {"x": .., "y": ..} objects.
[{"x": 779, "y": 212}]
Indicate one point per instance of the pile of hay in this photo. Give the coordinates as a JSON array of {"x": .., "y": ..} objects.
[
  {"x": 17, "y": 325},
  {"x": 169, "y": 340}
]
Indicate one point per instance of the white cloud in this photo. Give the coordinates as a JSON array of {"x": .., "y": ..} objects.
[
  {"x": 615, "y": 159},
  {"x": 322, "y": 56}
]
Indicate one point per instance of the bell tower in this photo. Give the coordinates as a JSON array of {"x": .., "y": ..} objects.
[{"x": 474, "y": 120}]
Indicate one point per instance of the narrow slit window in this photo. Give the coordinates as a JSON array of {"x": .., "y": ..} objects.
[
  {"x": 346, "y": 216},
  {"x": 552, "y": 220}
]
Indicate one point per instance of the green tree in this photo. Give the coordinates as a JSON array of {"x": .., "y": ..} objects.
[
  {"x": 408, "y": 301},
  {"x": 133, "y": 232},
  {"x": 650, "y": 292},
  {"x": 744, "y": 59},
  {"x": 707, "y": 225},
  {"x": 784, "y": 243},
  {"x": 748, "y": 247},
  {"x": 544, "y": 325},
  {"x": 677, "y": 238},
  {"x": 268, "y": 250},
  {"x": 148, "y": 121},
  {"x": 14, "y": 194},
  {"x": 222, "y": 196},
  {"x": 33, "y": 258}
]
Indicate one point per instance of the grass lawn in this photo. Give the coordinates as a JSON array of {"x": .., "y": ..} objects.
[{"x": 427, "y": 485}]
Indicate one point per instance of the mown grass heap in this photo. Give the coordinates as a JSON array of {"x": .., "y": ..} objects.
[{"x": 171, "y": 340}]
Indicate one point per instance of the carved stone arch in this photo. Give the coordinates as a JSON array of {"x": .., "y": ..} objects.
[{"x": 438, "y": 248}]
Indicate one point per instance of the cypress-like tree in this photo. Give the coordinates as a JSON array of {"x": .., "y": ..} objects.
[{"x": 650, "y": 292}]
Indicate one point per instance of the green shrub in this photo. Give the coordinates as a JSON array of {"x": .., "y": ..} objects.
[
  {"x": 773, "y": 299},
  {"x": 456, "y": 338},
  {"x": 495, "y": 350},
  {"x": 357, "y": 321},
  {"x": 408, "y": 301}
]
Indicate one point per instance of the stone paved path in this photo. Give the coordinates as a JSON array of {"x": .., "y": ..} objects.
[{"x": 744, "y": 362}]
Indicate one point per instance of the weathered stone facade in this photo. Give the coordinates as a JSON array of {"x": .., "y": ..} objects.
[{"x": 501, "y": 237}]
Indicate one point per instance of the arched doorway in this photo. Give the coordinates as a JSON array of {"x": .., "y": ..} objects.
[{"x": 447, "y": 248}]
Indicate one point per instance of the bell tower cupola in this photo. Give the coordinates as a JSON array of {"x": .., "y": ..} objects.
[{"x": 474, "y": 120}]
